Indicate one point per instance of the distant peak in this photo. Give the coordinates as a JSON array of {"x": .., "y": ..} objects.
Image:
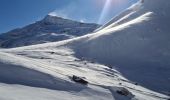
[{"x": 52, "y": 19}]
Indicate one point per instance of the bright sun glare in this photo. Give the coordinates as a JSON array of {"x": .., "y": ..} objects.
[
  {"x": 105, "y": 10},
  {"x": 107, "y": 6}
]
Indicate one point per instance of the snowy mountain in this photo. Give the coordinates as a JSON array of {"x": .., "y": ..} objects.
[
  {"x": 50, "y": 29},
  {"x": 126, "y": 59},
  {"x": 136, "y": 42}
]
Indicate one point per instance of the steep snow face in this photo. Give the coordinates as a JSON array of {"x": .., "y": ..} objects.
[
  {"x": 137, "y": 43},
  {"x": 50, "y": 29},
  {"x": 143, "y": 6},
  {"x": 123, "y": 16}
]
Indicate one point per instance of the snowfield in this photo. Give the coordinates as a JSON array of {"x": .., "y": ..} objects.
[
  {"x": 37, "y": 74},
  {"x": 126, "y": 59}
]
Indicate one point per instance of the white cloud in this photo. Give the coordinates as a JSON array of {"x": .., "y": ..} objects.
[
  {"x": 59, "y": 14},
  {"x": 65, "y": 12},
  {"x": 53, "y": 14}
]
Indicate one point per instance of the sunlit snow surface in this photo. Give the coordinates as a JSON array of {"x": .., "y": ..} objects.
[
  {"x": 37, "y": 74},
  {"x": 43, "y": 72}
]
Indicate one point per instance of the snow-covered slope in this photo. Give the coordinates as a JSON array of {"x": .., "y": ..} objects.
[
  {"x": 136, "y": 47},
  {"x": 45, "y": 74},
  {"x": 50, "y": 29}
]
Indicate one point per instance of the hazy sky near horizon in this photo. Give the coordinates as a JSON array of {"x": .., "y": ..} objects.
[{"x": 18, "y": 13}]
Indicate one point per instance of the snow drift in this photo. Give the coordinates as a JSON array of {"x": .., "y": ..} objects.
[{"x": 137, "y": 43}]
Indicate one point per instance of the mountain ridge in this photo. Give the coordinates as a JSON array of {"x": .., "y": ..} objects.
[{"x": 49, "y": 29}]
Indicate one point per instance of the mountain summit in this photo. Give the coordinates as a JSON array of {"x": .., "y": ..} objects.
[
  {"x": 54, "y": 19},
  {"x": 49, "y": 29}
]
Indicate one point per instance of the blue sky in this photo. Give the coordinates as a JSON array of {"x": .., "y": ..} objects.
[{"x": 18, "y": 13}]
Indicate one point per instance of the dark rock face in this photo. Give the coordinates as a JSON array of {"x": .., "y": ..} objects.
[{"x": 79, "y": 80}]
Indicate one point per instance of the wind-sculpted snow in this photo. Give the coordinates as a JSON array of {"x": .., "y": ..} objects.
[
  {"x": 139, "y": 48},
  {"x": 16, "y": 72},
  {"x": 25, "y": 72}
]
